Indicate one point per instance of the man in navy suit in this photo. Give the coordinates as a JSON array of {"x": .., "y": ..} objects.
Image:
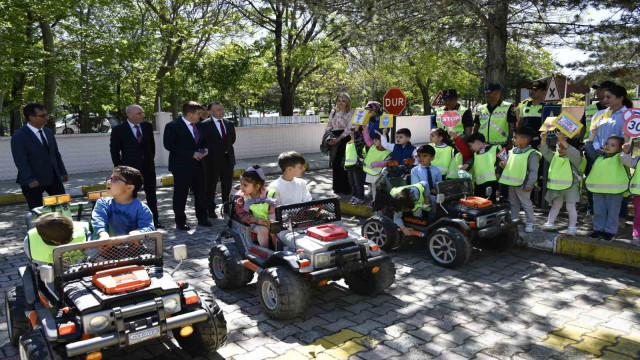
[
  {"x": 132, "y": 144},
  {"x": 187, "y": 146},
  {"x": 35, "y": 153}
]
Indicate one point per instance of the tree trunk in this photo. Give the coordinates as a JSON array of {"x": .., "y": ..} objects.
[
  {"x": 286, "y": 101},
  {"x": 49, "y": 95},
  {"x": 424, "y": 90},
  {"x": 496, "y": 63}
]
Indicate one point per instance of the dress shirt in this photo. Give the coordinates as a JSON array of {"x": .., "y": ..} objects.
[
  {"x": 217, "y": 122},
  {"x": 133, "y": 129},
  {"x": 36, "y": 131},
  {"x": 188, "y": 127},
  {"x": 419, "y": 175},
  {"x": 611, "y": 125}
]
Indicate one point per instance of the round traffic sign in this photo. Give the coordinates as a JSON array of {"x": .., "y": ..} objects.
[
  {"x": 450, "y": 119},
  {"x": 632, "y": 126},
  {"x": 630, "y": 112}
]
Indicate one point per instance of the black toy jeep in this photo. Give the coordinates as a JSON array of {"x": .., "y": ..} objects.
[{"x": 461, "y": 222}]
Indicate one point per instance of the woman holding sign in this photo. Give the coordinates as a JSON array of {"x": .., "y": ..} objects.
[{"x": 338, "y": 124}]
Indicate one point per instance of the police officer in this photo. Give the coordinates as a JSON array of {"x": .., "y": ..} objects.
[
  {"x": 496, "y": 119},
  {"x": 450, "y": 97},
  {"x": 531, "y": 109},
  {"x": 591, "y": 109}
]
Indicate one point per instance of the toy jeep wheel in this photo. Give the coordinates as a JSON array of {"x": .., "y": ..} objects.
[
  {"x": 17, "y": 322},
  {"x": 34, "y": 346},
  {"x": 503, "y": 242},
  {"x": 364, "y": 282},
  {"x": 226, "y": 269},
  {"x": 283, "y": 293},
  {"x": 382, "y": 231},
  {"x": 449, "y": 247},
  {"x": 208, "y": 336}
]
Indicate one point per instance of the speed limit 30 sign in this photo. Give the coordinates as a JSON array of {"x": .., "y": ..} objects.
[{"x": 632, "y": 122}]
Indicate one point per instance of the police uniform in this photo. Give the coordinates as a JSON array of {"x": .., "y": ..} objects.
[
  {"x": 465, "y": 114},
  {"x": 494, "y": 121}
]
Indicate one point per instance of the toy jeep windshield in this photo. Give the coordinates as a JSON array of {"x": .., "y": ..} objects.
[
  {"x": 308, "y": 246},
  {"x": 108, "y": 294}
]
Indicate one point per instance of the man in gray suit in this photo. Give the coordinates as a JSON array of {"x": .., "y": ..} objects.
[{"x": 35, "y": 153}]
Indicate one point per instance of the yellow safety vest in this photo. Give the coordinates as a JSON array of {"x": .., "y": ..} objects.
[
  {"x": 608, "y": 176},
  {"x": 260, "y": 210},
  {"x": 634, "y": 185},
  {"x": 515, "y": 172},
  {"x": 374, "y": 155},
  {"x": 533, "y": 110},
  {"x": 494, "y": 126},
  {"x": 560, "y": 173},
  {"x": 458, "y": 128},
  {"x": 43, "y": 252},
  {"x": 484, "y": 165},
  {"x": 589, "y": 111},
  {"x": 351, "y": 154},
  {"x": 420, "y": 202},
  {"x": 452, "y": 172},
  {"x": 443, "y": 158}
]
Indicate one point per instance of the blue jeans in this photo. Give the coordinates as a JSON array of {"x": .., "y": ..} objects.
[{"x": 606, "y": 208}]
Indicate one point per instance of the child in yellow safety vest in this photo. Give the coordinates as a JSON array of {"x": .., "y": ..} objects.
[
  {"x": 520, "y": 173},
  {"x": 634, "y": 188},
  {"x": 255, "y": 205},
  {"x": 52, "y": 230},
  {"x": 563, "y": 181},
  {"x": 375, "y": 160},
  {"x": 484, "y": 164},
  {"x": 354, "y": 154},
  {"x": 608, "y": 181},
  {"x": 445, "y": 160}
]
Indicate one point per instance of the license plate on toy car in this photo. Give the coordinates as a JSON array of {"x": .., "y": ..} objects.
[{"x": 144, "y": 335}]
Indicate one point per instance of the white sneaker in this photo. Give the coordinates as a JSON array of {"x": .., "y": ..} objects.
[
  {"x": 572, "y": 230},
  {"x": 635, "y": 241},
  {"x": 548, "y": 226},
  {"x": 357, "y": 202},
  {"x": 528, "y": 229}
]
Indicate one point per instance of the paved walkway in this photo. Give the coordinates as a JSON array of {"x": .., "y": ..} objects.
[{"x": 521, "y": 304}]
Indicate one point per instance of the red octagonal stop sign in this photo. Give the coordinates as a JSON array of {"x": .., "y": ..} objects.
[{"x": 394, "y": 101}]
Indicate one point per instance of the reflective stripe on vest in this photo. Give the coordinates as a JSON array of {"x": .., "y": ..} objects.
[
  {"x": 452, "y": 172},
  {"x": 515, "y": 172},
  {"x": 484, "y": 165},
  {"x": 374, "y": 155},
  {"x": 42, "y": 252},
  {"x": 494, "y": 126},
  {"x": 261, "y": 210},
  {"x": 443, "y": 158},
  {"x": 458, "y": 128},
  {"x": 608, "y": 176},
  {"x": 420, "y": 202},
  {"x": 560, "y": 173}
]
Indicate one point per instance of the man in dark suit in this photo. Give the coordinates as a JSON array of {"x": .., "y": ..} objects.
[
  {"x": 133, "y": 144},
  {"x": 221, "y": 135},
  {"x": 187, "y": 146},
  {"x": 35, "y": 153}
]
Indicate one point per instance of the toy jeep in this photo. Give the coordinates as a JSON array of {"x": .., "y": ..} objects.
[
  {"x": 462, "y": 220},
  {"x": 108, "y": 294},
  {"x": 309, "y": 246}
]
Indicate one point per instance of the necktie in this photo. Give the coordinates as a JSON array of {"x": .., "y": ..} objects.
[
  {"x": 44, "y": 140},
  {"x": 196, "y": 133},
  {"x": 429, "y": 179},
  {"x": 138, "y": 134},
  {"x": 222, "y": 131}
]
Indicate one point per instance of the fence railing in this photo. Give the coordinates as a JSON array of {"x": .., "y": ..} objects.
[{"x": 278, "y": 120}]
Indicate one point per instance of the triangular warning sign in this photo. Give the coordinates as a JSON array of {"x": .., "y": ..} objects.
[
  {"x": 552, "y": 94},
  {"x": 438, "y": 101}
]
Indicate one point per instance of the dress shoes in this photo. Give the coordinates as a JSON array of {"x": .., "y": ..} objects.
[
  {"x": 184, "y": 227},
  {"x": 213, "y": 215},
  {"x": 158, "y": 225}
]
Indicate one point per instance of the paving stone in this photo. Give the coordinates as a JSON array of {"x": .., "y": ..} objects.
[
  {"x": 426, "y": 332},
  {"x": 450, "y": 356},
  {"x": 490, "y": 337},
  {"x": 258, "y": 353},
  {"x": 437, "y": 346},
  {"x": 404, "y": 343},
  {"x": 626, "y": 347},
  {"x": 380, "y": 352},
  {"x": 591, "y": 345},
  {"x": 458, "y": 335},
  {"x": 338, "y": 325}
]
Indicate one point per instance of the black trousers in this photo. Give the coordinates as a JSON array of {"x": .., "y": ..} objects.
[
  {"x": 34, "y": 196},
  {"x": 340, "y": 178},
  {"x": 181, "y": 185},
  {"x": 224, "y": 173},
  {"x": 149, "y": 187}
]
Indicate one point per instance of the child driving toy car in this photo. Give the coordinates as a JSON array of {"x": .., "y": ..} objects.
[
  {"x": 53, "y": 229},
  {"x": 255, "y": 205}
]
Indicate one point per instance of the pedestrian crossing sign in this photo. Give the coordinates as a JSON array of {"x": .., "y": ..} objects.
[
  {"x": 438, "y": 101},
  {"x": 553, "y": 93}
]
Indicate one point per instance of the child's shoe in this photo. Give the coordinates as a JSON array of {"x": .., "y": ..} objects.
[
  {"x": 572, "y": 230},
  {"x": 635, "y": 241},
  {"x": 353, "y": 198},
  {"x": 528, "y": 228},
  {"x": 596, "y": 235},
  {"x": 357, "y": 202},
  {"x": 608, "y": 237},
  {"x": 548, "y": 226}
]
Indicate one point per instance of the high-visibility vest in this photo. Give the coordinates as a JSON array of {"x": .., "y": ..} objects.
[
  {"x": 458, "y": 128},
  {"x": 608, "y": 176},
  {"x": 634, "y": 185},
  {"x": 589, "y": 111},
  {"x": 515, "y": 172},
  {"x": 528, "y": 110},
  {"x": 43, "y": 252},
  {"x": 419, "y": 204},
  {"x": 484, "y": 165},
  {"x": 351, "y": 154},
  {"x": 560, "y": 173},
  {"x": 260, "y": 210},
  {"x": 452, "y": 172},
  {"x": 443, "y": 158},
  {"x": 494, "y": 126},
  {"x": 374, "y": 155}
]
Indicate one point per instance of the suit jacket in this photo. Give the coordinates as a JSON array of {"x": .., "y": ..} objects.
[
  {"x": 33, "y": 161},
  {"x": 126, "y": 150},
  {"x": 217, "y": 147},
  {"x": 181, "y": 146}
]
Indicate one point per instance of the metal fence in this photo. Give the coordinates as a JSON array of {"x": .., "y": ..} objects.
[{"x": 279, "y": 120}]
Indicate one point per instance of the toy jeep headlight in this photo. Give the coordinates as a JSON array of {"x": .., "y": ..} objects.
[
  {"x": 481, "y": 221},
  {"x": 171, "y": 304},
  {"x": 321, "y": 260},
  {"x": 99, "y": 322}
]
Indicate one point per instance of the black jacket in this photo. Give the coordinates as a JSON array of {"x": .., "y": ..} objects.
[
  {"x": 126, "y": 150},
  {"x": 33, "y": 161},
  {"x": 217, "y": 147},
  {"x": 181, "y": 146}
]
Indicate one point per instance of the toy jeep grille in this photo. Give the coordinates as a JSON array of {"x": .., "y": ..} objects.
[
  {"x": 92, "y": 256},
  {"x": 455, "y": 188},
  {"x": 308, "y": 214}
]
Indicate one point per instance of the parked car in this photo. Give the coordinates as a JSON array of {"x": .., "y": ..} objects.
[{"x": 70, "y": 124}]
